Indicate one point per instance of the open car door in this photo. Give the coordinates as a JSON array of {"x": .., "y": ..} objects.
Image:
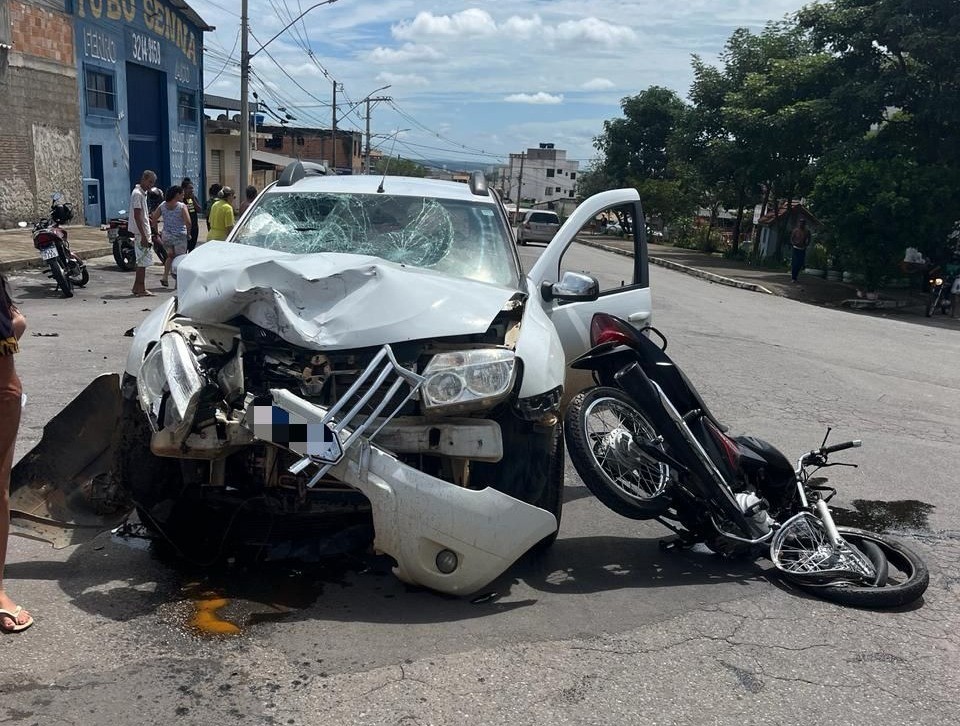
[{"x": 624, "y": 283}]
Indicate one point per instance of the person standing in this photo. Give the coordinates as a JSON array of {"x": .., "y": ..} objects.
[
  {"x": 193, "y": 209},
  {"x": 176, "y": 225},
  {"x": 221, "y": 216},
  {"x": 799, "y": 241},
  {"x": 13, "y": 618},
  {"x": 142, "y": 235},
  {"x": 248, "y": 196},
  {"x": 213, "y": 194}
]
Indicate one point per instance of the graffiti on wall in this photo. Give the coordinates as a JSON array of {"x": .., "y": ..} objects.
[
  {"x": 56, "y": 153},
  {"x": 184, "y": 155}
]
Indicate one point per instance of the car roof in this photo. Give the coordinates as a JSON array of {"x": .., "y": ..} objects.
[{"x": 403, "y": 186}]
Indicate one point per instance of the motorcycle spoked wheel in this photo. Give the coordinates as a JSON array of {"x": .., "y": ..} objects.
[
  {"x": 899, "y": 576},
  {"x": 601, "y": 425},
  {"x": 78, "y": 274},
  {"x": 933, "y": 303},
  {"x": 58, "y": 274},
  {"x": 125, "y": 257}
]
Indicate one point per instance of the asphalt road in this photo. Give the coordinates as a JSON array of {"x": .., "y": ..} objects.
[{"x": 603, "y": 629}]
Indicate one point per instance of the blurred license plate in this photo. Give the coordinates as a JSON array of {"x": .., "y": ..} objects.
[{"x": 48, "y": 253}]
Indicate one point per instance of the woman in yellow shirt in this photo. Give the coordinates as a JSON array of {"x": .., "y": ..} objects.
[{"x": 221, "y": 217}]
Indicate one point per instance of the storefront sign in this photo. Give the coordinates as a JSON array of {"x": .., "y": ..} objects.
[
  {"x": 156, "y": 16},
  {"x": 99, "y": 46}
]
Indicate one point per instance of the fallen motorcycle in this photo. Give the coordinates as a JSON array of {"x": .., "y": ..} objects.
[
  {"x": 645, "y": 443},
  {"x": 52, "y": 242}
]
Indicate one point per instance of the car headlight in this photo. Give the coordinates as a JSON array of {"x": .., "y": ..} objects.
[
  {"x": 469, "y": 378},
  {"x": 171, "y": 367}
]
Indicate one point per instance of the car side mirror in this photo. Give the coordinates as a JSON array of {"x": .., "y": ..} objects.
[{"x": 573, "y": 287}]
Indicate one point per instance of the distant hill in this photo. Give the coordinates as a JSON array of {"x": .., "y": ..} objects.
[{"x": 454, "y": 165}]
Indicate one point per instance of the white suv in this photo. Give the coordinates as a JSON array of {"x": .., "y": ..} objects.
[{"x": 368, "y": 351}]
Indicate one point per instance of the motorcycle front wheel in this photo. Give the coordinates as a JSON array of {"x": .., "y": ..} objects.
[
  {"x": 901, "y": 576},
  {"x": 78, "y": 274},
  {"x": 603, "y": 426},
  {"x": 63, "y": 282},
  {"x": 932, "y": 303}
]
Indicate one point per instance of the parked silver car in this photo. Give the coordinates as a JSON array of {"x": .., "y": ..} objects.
[{"x": 538, "y": 226}]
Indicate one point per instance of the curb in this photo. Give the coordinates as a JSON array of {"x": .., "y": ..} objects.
[
  {"x": 670, "y": 265},
  {"x": 26, "y": 263}
]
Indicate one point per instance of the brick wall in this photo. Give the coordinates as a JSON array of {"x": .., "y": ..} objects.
[
  {"x": 40, "y": 130},
  {"x": 41, "y": 33}
]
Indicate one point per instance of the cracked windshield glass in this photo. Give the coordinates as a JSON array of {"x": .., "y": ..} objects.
[{"x": 450, "y": 236}]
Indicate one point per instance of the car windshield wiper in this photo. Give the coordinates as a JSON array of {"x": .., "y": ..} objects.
[{"x": 306, "y": 229}]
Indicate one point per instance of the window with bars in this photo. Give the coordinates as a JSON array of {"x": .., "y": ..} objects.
[
  {"x": 101, "y": 96},
  {"x": 187, "y": 111}
]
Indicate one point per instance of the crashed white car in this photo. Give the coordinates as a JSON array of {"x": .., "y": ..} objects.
[{"x": 365, "y": 358}]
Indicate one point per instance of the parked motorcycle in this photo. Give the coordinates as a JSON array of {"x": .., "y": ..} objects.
[
  {"x": 122, "y": 241},
  {"x": 51, "y": 241},
  {"x": 939, "y": 297},
  {"x": 645, "y": 443}
]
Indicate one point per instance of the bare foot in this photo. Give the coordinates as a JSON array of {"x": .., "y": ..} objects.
[{"x": 143, "y": 293}]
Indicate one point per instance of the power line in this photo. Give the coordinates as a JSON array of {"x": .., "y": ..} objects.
[{"x": 226, "y": 62}]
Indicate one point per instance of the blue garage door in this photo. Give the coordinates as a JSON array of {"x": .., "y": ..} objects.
[{"x": 147, "y": 123}]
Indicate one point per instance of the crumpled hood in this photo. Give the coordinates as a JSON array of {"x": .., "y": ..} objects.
[{"x": 332, "y": 301}]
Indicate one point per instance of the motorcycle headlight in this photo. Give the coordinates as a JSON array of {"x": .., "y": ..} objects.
[
  {"x": 938, "y": 281},
  {"x": 171, "y": 367},
  {"x": 469, "y": 378}
]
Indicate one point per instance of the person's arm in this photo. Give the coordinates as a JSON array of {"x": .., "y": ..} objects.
[
  {"x": 140, "y": 220},
  {"x": 19, "y": 322},
  {"x": 228, "y": 218},
  {"x": 155, "y": 214},
  {"x": 186, "y": 215}
]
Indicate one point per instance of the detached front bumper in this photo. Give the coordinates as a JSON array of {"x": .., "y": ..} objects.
[{"x": 440, "y": 535}]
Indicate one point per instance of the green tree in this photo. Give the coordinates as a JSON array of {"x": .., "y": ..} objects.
[{"x": 397, "y": 166}]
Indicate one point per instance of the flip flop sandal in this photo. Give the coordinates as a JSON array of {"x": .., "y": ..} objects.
[{"x": 14, "y": 616}]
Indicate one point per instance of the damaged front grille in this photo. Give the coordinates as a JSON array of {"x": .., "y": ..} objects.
[{"x": 321, "y": 435}]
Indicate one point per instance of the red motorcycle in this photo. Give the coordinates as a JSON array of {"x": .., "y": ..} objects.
[{"x": 51, "y": 241}]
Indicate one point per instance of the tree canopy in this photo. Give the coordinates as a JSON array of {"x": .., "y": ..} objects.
[{"x": 852, "y": 105}]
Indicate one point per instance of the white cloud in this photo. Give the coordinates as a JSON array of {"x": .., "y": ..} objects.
[
  {"x": 471, "y": 22},
  {"x": 534, "y": 98},
  {"x": 518, "y": 27},
  {"x": 594, "y": 30},
  {"x": 408, "y": 53},
  {"x": 598, "y": 84},
  {"x": 402, "y": 79}
]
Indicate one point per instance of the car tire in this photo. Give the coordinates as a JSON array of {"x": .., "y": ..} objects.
[{"x": 532, "y": 467}]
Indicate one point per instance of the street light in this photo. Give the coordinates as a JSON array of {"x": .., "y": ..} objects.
[{"x": 245, "y": 58}]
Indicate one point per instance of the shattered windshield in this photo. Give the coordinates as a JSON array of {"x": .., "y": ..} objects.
[{"x": 456, "y": 237}]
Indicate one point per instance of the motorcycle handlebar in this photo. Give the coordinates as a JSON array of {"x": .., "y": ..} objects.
[{"x": 840, "y": 447}]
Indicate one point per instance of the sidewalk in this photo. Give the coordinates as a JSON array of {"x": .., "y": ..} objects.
[
  {"x": 812, "y": 290},
  {"x": 17, "y": 251}
]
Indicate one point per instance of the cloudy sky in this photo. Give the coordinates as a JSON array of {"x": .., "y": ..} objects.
[{"x": 472, "y": 80}]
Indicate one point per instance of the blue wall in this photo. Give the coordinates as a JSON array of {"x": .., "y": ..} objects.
[{"x": 157, "y": 120}]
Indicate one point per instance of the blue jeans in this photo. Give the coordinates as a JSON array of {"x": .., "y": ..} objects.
[{"x": 799, "y": 258}]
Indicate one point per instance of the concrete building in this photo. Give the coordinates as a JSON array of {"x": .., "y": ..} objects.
[
  {"x": 547, "y": 176},
  {"x": 40, "y": 134},
  {"x": 139, "y": 64}
]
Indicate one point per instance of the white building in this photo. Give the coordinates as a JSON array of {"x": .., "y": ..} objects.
[{"x": 547, "y": 176}]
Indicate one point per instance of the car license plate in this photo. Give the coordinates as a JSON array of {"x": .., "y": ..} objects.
[
  {"x": 291, "y": 431},
  {"x": 48, "y": 253}
]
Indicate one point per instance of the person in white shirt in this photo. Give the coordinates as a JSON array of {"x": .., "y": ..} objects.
[{"x": 143, "y": 238}]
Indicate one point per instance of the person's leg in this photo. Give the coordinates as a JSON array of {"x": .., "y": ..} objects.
[
  {"x": 796, "y": 263},
  {"x": 10, "y": 394},
  {"x": 144, "y": 257},
  {"x": 171, "y": 251}
]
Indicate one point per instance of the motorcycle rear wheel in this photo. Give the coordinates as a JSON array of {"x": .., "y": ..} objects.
[
  {"x": 63, "y": 282},
  {"x": 904, "y": 575},
  {"x": 601, "y": 424},
  {"x": 124, "y": 257}
]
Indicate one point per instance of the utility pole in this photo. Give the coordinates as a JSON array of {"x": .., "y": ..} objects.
[
  {"x": 333, "y": 155},
  {"x": 244, "y": 100},
  {"x": 520, "y": 185},
  {"x": 368, "y": 100},
  {"x": 245, "y": 58}
]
